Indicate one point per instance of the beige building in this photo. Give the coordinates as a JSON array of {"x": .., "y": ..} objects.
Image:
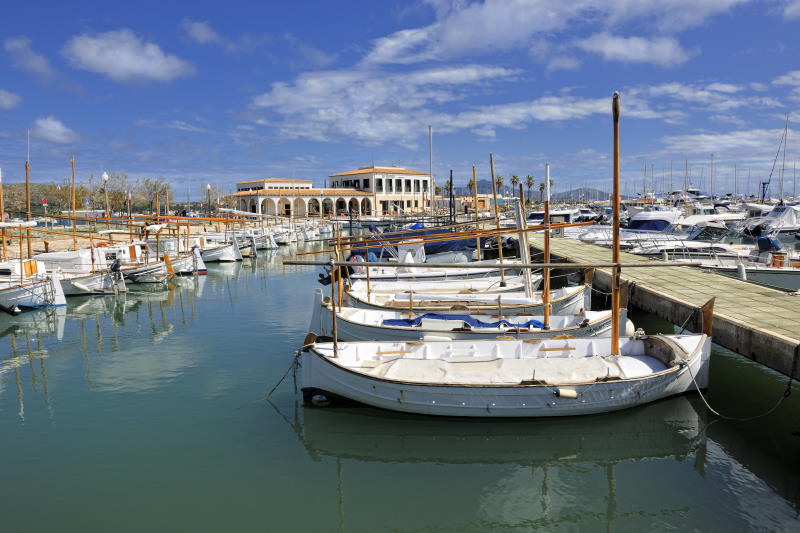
[{"x": 364, "y": 191}]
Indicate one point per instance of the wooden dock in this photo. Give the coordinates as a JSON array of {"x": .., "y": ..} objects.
[{"x": 757, "y": 322}]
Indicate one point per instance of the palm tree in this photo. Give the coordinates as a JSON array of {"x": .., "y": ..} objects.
[
  {"x": 541, "y": 193},
  {"x": 498, "y": 181},
  {"x": 514, "y": 183},
  {"x": 472, "y": 184},
  {"x": 529, "y": 181}
]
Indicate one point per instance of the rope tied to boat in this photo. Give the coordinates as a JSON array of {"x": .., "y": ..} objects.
[
  {"x": 786, "y": 393},
  {"x": 295, "y": 364}
]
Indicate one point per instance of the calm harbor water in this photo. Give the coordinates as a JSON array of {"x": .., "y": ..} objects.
[{"x": 147, "y": 412}]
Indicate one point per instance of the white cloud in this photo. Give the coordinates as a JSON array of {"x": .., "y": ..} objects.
[
  {"x": 182, "y": 125},
  {"x": 757, "y": 143},
  {"x": 463, "y": 29},
  {"x": 563, "y": 63},
  {"x": 123, "y": 56},
  {"x": 370, "y": 106},
  {"x": 791, "y": 10},
  {"x": 790, "y": 78},
  {"x": 9, "y": 100},
  {"x": 200, "y": 31},
  {"x": 23, "y": 57},
  {"x": 664, "y": 51},
  {"x": 53, "y": 130}
]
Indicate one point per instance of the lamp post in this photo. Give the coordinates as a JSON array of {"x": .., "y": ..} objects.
[
  {"x": 208, "y": 193},
  {"x": 105, "y": 193}
]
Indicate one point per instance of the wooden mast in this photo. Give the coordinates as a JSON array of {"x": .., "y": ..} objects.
[
  {"x": 546, "y": 271},
  {"x": 3, "y": 218},
  {"x": 497, "y": 222},
  {"x": 524, "y": 249},
  {"x": 27, "y": 207},
  {"x": 74, "y": 216},
  {"x": 615, "y": 271},
  {"x": 475, "y": 201}
]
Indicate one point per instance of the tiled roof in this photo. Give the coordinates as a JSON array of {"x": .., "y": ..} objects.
[
  {"x": 303, "y": 192},
  {"x": 387, "y": 170},
  {"x": 275, "y": 180}
]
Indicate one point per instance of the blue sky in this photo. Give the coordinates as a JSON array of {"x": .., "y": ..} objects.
[{"x": 218, "y": 92}]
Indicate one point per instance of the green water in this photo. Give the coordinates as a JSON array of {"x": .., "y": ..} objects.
[{"x": 146, "y": 413}]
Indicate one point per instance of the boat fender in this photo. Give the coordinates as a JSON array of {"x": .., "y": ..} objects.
[
  {"x": 81, "y": 286},
  {"x": 566, "y": 393},
  {"x": 630, "y": 329},
  {"x": 320, "y": 400}
]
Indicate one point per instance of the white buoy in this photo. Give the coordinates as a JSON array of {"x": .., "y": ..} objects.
[{"x": 742, "y": 272}]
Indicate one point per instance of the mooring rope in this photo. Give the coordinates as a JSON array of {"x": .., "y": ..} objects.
[{"x": 786, "y": 393}]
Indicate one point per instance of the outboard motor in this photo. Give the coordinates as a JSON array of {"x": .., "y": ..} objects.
[
  {"x": 327, "y": 278},
  {"x": 115, "y": 266}
]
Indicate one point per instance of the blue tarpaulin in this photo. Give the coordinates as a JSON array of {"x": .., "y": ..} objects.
[
  {"x": 468, "y": 319},
  {"x": 767, "y": 244}
]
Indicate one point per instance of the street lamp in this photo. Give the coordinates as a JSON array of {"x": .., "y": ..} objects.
[
  {"x": 105, "y": 193},
  {"x": 208, "y": 191}
]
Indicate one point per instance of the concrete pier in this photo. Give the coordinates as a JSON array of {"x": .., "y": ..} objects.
[{"x": 757, "y": 322}]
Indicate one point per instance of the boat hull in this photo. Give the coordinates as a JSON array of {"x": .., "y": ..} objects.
[
  {"x": 223, "y": 252},
  {"x": 99, "y": 283},
  {"x": 33, "y": 294},
  {"x": 568, "y": 305},
  {"x": 319, "y": 375}
]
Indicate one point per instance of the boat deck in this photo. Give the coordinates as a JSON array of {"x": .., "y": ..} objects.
[{"x": 758, "y": 322}]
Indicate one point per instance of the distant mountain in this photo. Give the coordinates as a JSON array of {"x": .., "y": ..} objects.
[{"x": 585, "y": 194}]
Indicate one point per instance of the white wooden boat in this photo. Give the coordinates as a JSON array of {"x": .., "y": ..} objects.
[
  {"x": 27, "y": 285},
  {"x": 507, "y": 378},
  {"x": 354, "y": 324},
  {"x": 453, "y": 286},
  {"x": 564, "y": 301},
  {"x": 220, "y": 252},
  {"x": 84, "y": 272},
  {"x": 423, "y": 273},
  {"x": 98, "y": 283}
]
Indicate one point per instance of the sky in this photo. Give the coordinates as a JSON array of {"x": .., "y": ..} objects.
[{"x": 215, "y": 93}]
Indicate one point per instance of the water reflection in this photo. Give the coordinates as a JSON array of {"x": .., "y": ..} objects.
[{"x": 634, "y": 470}]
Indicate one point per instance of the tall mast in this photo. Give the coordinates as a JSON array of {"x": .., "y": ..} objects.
[
  {"x": 3, "y": 218},
  {"x": 615, "y": 110},
  {"x": 74, "y": 222},
  {"x": 783, "y": 165},
  {"x": 430, "y": 169},
  {"x": 711, "y": 178},
  {"x": 475, "y": 199},
  {"x": 685, "y": 174},
  {"x": 735, "y": 182},
  {"x": 546, "y": 271},
  {"x": 497, "y": 222},
  {"x": 27, "y": 207}
]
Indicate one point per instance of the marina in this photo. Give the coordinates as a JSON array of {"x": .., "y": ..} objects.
[
  {"x": 151, "y": 392},
  {"x": 443, "y": 266}
]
